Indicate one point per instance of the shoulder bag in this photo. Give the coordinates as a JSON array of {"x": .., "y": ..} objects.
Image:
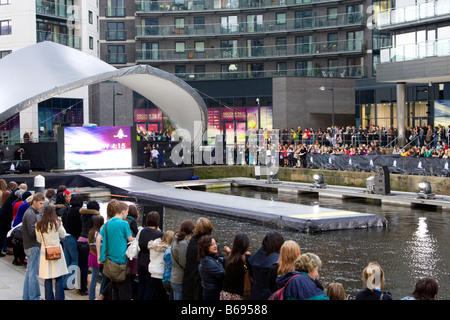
[
  {"x": 279, "y": 294},
  {"x": 247, "y": 283},
  {"x": 133, "y": 248},
  {"x": 114, "y": 271},
  {"x": 53, "y": 253}
]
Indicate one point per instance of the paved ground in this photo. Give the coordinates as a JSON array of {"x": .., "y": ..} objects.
[{"x": 11, "y": 282}]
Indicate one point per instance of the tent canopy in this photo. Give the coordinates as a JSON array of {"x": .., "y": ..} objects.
[{"x": 47, "y": 69}]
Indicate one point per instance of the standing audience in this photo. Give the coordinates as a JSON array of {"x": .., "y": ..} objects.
[
  {"x": 156, "y": 267},
  {"x": 211, "y": 268},
  {"x": 373, "y": 280},
  {"x": 49, "y": 230},
  {"x": 92, "y": 259}
]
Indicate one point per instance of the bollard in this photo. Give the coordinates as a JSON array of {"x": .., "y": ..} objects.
[
  {"x": 258, "y": 172},
  {"x": 39, "y": 184}
]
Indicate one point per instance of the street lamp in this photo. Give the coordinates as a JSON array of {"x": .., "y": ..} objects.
[
  {"x": 323, "y": 88},
  {"x": 114, "y": 104},
  {"x": 259, "y": 114}
]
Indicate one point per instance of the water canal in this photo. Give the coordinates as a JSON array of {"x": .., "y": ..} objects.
[{"x": 415, "y": 244}]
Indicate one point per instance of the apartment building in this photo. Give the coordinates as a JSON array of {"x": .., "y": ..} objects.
[
  {"x": 72, "y": 23},
  {"x": 411, "y": 86},
  {"x": 257, "y": 63}
]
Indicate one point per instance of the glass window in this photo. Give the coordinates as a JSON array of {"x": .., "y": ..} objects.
[
  {"x": 255, "y": 47},
  {"x": 281, "y": 18},
  {"x": 150, "y": 50},
  {"x": 180, "y": 71},
  {"x": 5, "y": 27},
  {"x": 254, "y": 22},
  {"x": 229, "y": 24},
  {"x": 303, "y": 45},
  {"x": 304, "y": 69},
  {"x": 281, "y": 43},
  {"x": 332, "y": 13},
  {"x": 180, "y": 47},
  {"x": 199, "y": 22},
  {"x": 199, "y": 46},
  {"x": 282, "y": 68},
  {"x": 179, "y": 23},
  {"x": 303, "y": 19}
]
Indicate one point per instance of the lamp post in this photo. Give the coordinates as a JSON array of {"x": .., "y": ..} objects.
[
  {"x": 323, "y": 88},
  {"x": 114, "y": 103},
  {"x": 259, "y": 114}
]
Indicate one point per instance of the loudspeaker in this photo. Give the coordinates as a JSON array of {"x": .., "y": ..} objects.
[{"x": 382, "y": 181}]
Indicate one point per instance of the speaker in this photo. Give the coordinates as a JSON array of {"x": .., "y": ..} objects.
[{"x": 382, "y": 181}]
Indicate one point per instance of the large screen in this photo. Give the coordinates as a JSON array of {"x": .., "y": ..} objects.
[{"x": 97, "y": 147}]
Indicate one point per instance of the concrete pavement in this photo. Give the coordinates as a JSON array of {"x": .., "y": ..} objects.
[{"x": 11, "y": 282}]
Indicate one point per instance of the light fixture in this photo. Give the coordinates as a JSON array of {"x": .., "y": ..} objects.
[
  {"x": 318, "y": 181},
  {"x": 425, "y": 190}
]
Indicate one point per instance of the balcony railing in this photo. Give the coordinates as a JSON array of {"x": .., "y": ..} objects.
[
  {"x": 112, "y": 12},
  {"x": 199, "y": 5},
  {"x": 116, "y": 58},
  {"x": 413, "y": 13},
  {"x": 119, "y": 35},
  {"x": 256, "y": 52},
  {"x": 436, "y": 48},
  {"x": 64, "y": 39},
  {"x": 58, "y": 10},
  {"x": 244, "y": 27},
  {"x": 336, "y": 72}
]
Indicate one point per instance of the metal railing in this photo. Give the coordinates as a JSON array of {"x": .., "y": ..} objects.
[
  {"x": 200, "y": 5},
  {"x": 299, "y": 24},
  {"x": 61, "y": 38},
  {"x": 413, "y": 51}
]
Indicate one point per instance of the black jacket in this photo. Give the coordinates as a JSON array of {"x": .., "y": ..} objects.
[{"x": 212, "y": 275}]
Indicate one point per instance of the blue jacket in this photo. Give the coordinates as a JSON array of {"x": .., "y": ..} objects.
[
  {"x": 260, "y": 264},
  {"x": 212, "y": 274},
  {"x": 301, "y": 287}
]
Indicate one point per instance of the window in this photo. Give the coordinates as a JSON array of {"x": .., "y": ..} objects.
[
  {"x": 91, "y": 17},
  {"x": 2, "y": 2},
  {"x": 332, "y": 41},
  {"x": 304, "y": 68},
  {"x": 199, "y": 22},
  {"x": 151, "y": 26},
  {"x": 282, "y": 68},
  {"x": 332, "y": 13},
  {"x": 303, "y": 45},
  {"x": 255, "y": 47},
  {"x": 354, "y": 13},
  {"x": 179, "y": 23},
  {"x": 354, "y": 40},
  {"x": 115, "y": 31},
  {"x": 116, "y": 54},
  {"x": 5, "y": 27},
  {"x": 199, "y": 46},
  {"x": 332, "y": 67},
  {"x": 115, "y": 8},
  {"x": 91, "y": 43},
  {"x": 4, "y": 53},
  {"x": 150, "y": 50},
  {"x": 180, "y": 47},
  {"x": 180, "y": 71},
  {"x": 254, "y": 22},
  {"x": 281, "y": 44},
  {"x": 303, "y": 19},
  {"x": 255, "y": 70},
  {"x": 229, "y": 24},
  {"x": 281, "y": 18},
  {"x": 200, "y": 70},
  {"x": 229, "y": 48}
]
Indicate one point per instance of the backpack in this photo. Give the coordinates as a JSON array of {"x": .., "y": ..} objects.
[{"x": 279, "y": 294}]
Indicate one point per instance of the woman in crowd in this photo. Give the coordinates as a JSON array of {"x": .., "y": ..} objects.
[
  {"x": 148, "y": 233},
  {"x": 178, "y": 253},
  {"x": 289, "y": 252},
  {"x": 192, "y": 288},
  {"x": 49, "y": 230},
  {"x": 157, "y": 248},
  {"x": 336, "y": 291},
  {"x": 87, "y": 220},
  {"x": 235, "y": 268},
  {"x": 425, "y": 289},
  {"x": 72, "y": 223},
  {"x": 211, "y": 268},
  {"x": 303, "y": 285},
  {"x": 92, "y": 259},
  {"x": 373, "y": 280},
  {"x": 261, "y": 261}
]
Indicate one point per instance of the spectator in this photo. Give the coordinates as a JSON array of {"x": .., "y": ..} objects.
[
  {"x": 92, "y": 260},
  {"x": 261, "y": 261},
  {"x": 373, "y": 279},
  {"x": 336, "y": 291},
  {"x": 211, "y": 268},
  {"x": 425, "y": 289},
  {"x": 289, "y": 252},
  {"x": 157, "y": 248}
]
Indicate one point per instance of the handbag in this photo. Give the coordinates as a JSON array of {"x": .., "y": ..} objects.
[
  {"x": 133, "y": 248},
  {"x": 52, "y": 253},
  {"x": 247, "y": 283},
  {"x": 279, "y": 294},
  {"x": 114, "y": 271}
]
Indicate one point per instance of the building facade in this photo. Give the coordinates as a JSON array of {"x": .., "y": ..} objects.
[
  {"x": 257, "y": 63},
  {"x": 72, "y": 23}
]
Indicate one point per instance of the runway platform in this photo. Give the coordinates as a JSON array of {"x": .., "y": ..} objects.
[{"x": 286, "y": 215}]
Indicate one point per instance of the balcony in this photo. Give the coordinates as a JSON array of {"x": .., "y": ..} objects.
[
  {"x": 119, "y": 35},
  {"x": 64, "y": 39},
  {"x": 116, "y": 58},
  {"x": 252, "y": 53},
  {"x": 348, "y": 72},
  {"x": 410, "y": 15},
  {"x": 56, "y": 10},
  {"x": 213, "y": 5},
  {"x": 266, "y": 27},
  {"x": 421, "y": 50},
  {"x": 115, "y": 12}
]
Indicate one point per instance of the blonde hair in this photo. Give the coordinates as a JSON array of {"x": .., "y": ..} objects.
[
  {"x": 289, "y": 252},
  {"x": 336, "y": 291},
  {"x": 373, "y": 276},
  {"x": 307, "y": 262},
  {"x": 168, "y": 237}
]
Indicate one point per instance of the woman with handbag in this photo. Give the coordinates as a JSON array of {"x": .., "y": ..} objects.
[
  {"x": 237, "y": 282},
  {"x": 49, "y": 231}
]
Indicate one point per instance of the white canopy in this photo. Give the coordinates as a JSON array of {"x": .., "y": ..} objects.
[{"x": 47, "y": 69}]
